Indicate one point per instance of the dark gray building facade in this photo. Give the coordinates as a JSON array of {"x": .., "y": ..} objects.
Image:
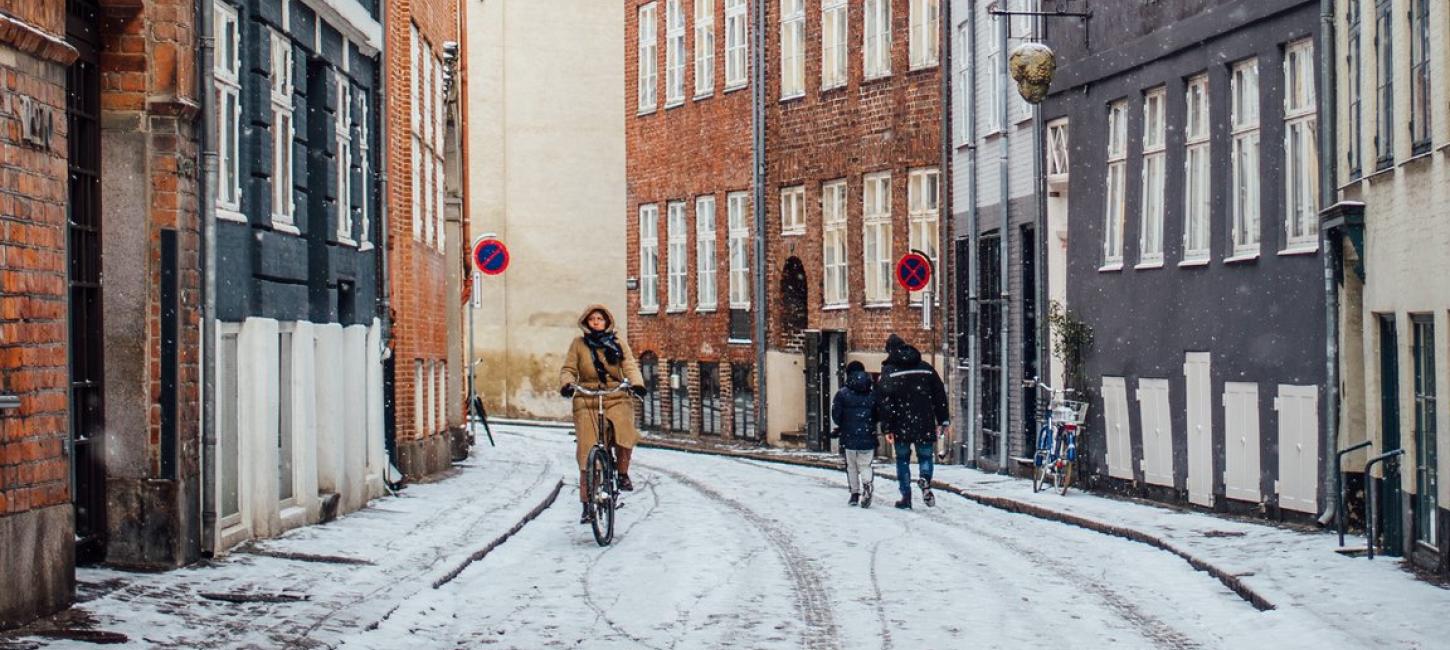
[{"x": 1193, "y": 248}]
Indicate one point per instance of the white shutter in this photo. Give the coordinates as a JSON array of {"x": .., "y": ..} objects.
[
  {"x": 1241, "y": 441},
  {"x": 1198, "y": 386},
  {"x": 1157, "y": 431},
  {"x": 1298, "y": 447},
  {"x": 1115, "y": 420}
]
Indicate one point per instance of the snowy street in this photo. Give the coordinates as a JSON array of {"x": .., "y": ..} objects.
[{"x": 710, "y": 552}]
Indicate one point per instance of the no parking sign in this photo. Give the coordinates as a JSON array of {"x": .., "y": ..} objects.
[{"x": 490, "y": 256}]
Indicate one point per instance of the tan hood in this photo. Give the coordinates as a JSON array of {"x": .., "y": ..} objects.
[{"x": 608, "y": 317}]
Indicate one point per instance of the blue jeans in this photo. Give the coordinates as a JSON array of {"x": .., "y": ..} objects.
[{"x": 924, "y": 451}]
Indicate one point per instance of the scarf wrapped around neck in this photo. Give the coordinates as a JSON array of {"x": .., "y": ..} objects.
[{"x": 607, "y": 343}]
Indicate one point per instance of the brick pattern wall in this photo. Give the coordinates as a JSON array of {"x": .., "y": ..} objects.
[
  {"x": 418, "y": 274},
  {"x": 700, "y": 147},
  {"x": 34, "y": 469}
]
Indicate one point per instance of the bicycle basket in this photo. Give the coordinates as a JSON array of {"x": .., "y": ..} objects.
[{"x": 1073, "y": 412}]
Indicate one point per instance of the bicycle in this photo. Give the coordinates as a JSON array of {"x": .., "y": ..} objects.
[
  {"x": 1056, "y": 453},
  {"x": 602, "y": 481}
]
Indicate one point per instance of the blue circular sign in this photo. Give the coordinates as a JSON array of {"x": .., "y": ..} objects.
[{"x": 490, "y": 257}]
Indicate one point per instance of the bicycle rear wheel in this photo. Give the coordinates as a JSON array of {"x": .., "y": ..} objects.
[
  {"x": 1040, "y": 467},
  {"x": 1065, "y": 470},
  {"x": 601, "y": 495}
]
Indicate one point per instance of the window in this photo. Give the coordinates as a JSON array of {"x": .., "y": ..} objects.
[
  {"x": 742, "y": 414},
  {"x": 415, "y": 103},
  {"x": 1057, "y": 152},
  {"x": 925, "y": 32},
  {"x": 439, "y": 108},
  {"x": 1022, "y": 29},
  {"x": 1117, "y": 172},
  {"x": 990, "y": 316},
  {"x": 705, "y": 298},
  {"x": 792, "y": 210},
  {"x": 344, "y": 159},
  {"x": 991, "y": 107},
  {"x": 674, "y": 52},
  {"x": 282, "y": 131},
  {"x": 833, "y": 243},
  {"x": 737, "y": 203},
  {"x": 1196, "y": 183},
  {"x": 876, "y": 238},
  {"x": 678, "y": 238},
  {"x": 226, "y": 67},
  {"x": 710, "y": 419},
  {"x": 649, "y": 259},
  {"x": 648, "y": 59},
  {"x": 923, "y": 199},
  {"x": 704, "y": 47},
  {"x": 1426, "y": 453},
  {"x": 649, "y": 370},
  {"x": 1244, "y": 123},
  {"x": 1384, "y": 139},
  {"x": 424, "y": 169},
  {"x": 419, "y": 403},
  {"x": 792, "y": 48},
  {"x": 1355, "y": 61},
  {"x": 679, "y": 396},
  {"x": 833, "y": 43},
  {"x": 1419, "y": 76},
  {"x": 1301, "y": 150},
  {"x": 963, "y": 65},
  {"x": 876, "y": 49},
  {"x": 735, "y": 46},
  {"x": 365, "y": 208},
  {"x": 1150, "y": 238}
]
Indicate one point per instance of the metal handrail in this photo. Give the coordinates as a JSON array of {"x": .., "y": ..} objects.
[
  {"x": 1339, "y": 509},
  {"x": 1369, "y": 506}
]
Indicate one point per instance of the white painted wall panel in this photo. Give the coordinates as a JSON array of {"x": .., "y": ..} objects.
[
  {"x": 1241, "y": 441},
  {"x": 1115, "y": 420},
  {"x": 1298, "y": 408},
  {"x": 1198, "y": 387},
  {"x": 1157, "y": 422}
]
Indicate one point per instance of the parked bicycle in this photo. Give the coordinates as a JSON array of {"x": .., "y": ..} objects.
[
  {"x": 1062, "y": 423},
  {"x": 602, "y": 481}
]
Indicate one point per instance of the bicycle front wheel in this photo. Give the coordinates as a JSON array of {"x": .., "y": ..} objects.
[
  {"x": 1064, "y": 469},
  {"x": 601, "y": 495},
  {"x": 1040, "y": 468}
]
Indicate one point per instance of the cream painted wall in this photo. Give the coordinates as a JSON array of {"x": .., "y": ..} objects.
[{"x": 545, "y": 84}]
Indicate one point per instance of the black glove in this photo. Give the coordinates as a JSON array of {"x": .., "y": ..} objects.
[
  {"x": 567, "y": 390},
  {"x": 639, "y": 391}
]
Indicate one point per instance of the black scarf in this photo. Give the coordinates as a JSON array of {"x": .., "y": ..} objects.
[{"x": 605, "y": 341}]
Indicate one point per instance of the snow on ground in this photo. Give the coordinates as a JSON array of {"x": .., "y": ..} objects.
[{"x": 715, "y": 552}]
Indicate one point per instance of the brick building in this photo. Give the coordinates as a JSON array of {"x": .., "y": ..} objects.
[
  {"x": 36, "y": 524},
  {"x": 852, "y": 107},
  {"x": 423, "y": 289}
]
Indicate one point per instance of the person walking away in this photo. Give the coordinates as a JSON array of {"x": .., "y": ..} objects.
[
  {"x": 853, "y": 409},
  {"x": 600, "y": 360},
  {"x": 911, "y": 403}
]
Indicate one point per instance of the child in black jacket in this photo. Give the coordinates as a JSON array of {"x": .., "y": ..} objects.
[{"x": 853, "y": 409}]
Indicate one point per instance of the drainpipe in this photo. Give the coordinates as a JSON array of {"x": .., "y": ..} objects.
[
  {"x": 206, "y": 218},
  {"x": 1004, "y": 400},
  {"x": 385, "y": 226},
  {"x": 1039, "y": 235},
  {"x": 1328, "y": 178},
  {"x": 946, "y": 243},
  {"x": 757, "y": 127},
  {"x": 973, "y": 345}
]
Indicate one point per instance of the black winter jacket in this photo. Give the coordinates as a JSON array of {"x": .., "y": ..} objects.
[
  {"x": 853, "y": 409},
  {"x": 911, "y": 401}
]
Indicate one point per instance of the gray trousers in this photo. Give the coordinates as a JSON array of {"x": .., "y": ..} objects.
[{"x": 858, "y": 468}]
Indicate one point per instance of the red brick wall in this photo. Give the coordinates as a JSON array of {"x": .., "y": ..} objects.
[
  {"x": 34, "y": 470},
  {"x": 677, "y": 154},
  {"x": 418, "y": 272},
  {"x": 888, "y": 124}
]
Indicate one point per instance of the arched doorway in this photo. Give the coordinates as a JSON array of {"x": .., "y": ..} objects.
[{"x": 794, "y": 293}]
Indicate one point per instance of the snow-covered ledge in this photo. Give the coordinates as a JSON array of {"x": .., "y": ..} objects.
[{"x": 350, "y": 18}]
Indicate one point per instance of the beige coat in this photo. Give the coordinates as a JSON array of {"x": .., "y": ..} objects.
[{"x": 618, "y": 408}]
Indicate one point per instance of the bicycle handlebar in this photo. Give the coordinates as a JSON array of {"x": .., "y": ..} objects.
[{"x": 587, "y": 392}]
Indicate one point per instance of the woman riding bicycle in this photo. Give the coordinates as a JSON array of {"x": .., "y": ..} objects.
[{"x": 599, "y": 360}]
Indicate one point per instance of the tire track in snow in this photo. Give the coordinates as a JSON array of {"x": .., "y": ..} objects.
[
  {"x": 811, "y": 600},
  {"x": 584, "y": 580}
]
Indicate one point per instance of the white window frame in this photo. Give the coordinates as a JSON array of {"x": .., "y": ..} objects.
[
  {"x": 704, "y": 48},
  {"x": 648, "y": 57},
  {"x": 835, "y": 32},
  {"x": 649, "y": 259},
  {"x": 925, "y": 36},
  {"x": 1155, "y": 159},
  {"x": 1058, "y": 152},
  {"x": 1115, "y": 208},
  {"x": 990, "y": 108},
  {"x": 1301, "y": 150},
  {"x": 876, "y": 39},
  {"x": 1245, "y": 204},
  {"x": 440, "y": 108},
  {"x": 793, "y": 210},
  {"x": 343, "y": 133},
  {"x": 419, "y": 403},
  {"x": 417, "y": 176},
  {"x": 226, "y": 69},
  {"x": 923, "y": 200},
  {"x": 283, "y": 132},
  {"x": 834, "y": 260},
  {"x": 792, "y": 49},
  {"x": 965, "y": 93},
  {"x": 365, "y": 209},
  {"x": 674, "y": 53},
  {"x": 737, "y": 35},
  {"x": 1022, "y": 29},
  {"x": 1197, "y": 174},
  {"x": 678, "y": 291},
  {"x": 876, "y": 238},
  {"x": 706, "y": 291},
  {"x": 738, "y": 206}
]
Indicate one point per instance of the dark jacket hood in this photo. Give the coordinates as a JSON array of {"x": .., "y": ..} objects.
[
  {"x": 903, "y": 357},
  {"x": 859, "y": 381}
]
